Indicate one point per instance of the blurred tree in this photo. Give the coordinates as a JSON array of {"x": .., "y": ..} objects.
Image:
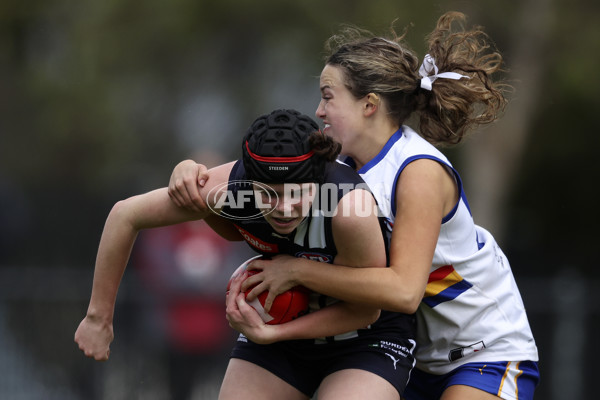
[
  {"x": 101, "y": 99},
  {"x": 494, "y": 158}
]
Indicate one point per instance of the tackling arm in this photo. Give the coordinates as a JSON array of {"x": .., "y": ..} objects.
[
  {"x": 360, "y": 243},
  {"x": 424, "y": 194}
]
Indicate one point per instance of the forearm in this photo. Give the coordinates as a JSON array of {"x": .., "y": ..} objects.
[
  {"x": 113, "y": 255},
  {"x": 336, "y": 319},
  {"x": 95, "y": 332},
  {"x": 377, "y": 287},
  {"x": 126, "y": 219},
  {"x": 359, "y": 273}
]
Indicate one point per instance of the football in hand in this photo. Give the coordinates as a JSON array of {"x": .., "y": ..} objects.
[{"x": 286, "y": 306}]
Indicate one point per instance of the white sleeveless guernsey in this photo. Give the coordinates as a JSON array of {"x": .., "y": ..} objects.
[{"x": 472, "y": 310}]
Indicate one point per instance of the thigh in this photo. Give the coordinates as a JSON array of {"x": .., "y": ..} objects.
[
  {"x": 462, "y": 392},
  {"x": 357, "y": 384},
  {"x": 245, "y": 380}
]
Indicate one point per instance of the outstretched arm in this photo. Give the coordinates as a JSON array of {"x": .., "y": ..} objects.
[{"x": 125, "y": 220}]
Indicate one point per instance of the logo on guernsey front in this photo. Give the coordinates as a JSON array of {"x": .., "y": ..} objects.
[
  {"x": 315, "y": 256},
  {"x": 258, "y": 243}
]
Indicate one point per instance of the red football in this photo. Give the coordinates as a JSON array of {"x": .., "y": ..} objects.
[{"x": 286, "y": 306}]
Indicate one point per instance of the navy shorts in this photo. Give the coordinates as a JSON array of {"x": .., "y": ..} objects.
[
  {"x": 507, "y": 380},
  {"x": 304, "y": 364}
]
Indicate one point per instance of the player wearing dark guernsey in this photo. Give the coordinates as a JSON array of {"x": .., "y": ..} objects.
[
  {"x": 313, "y": 238},
  {"x": 385, "y": 347},
  {"x": 362, "y": 352}
]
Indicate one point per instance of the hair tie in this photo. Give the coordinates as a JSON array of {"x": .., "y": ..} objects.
[{"x": 428, "y": 68}]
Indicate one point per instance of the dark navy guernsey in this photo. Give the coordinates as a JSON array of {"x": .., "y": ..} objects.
[{"x": 312, "y": 239}]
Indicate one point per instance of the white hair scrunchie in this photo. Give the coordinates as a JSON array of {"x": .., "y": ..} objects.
[{"x": 428, "y": 68}]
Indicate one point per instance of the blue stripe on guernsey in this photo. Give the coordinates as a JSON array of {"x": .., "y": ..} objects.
[
  {"x": 444, "y": 284},
  {"x": 427, "y": 157},
  {"x": 479, "y": 244},
  {"x": 463, "y": 195},
  {"x": 451, "y": 213},
  {"x": 386, "y": 148}
]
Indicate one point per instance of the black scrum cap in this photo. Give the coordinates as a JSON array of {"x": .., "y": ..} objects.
[{"x": 276, "y": 149}]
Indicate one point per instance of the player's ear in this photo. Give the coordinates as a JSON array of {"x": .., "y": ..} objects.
[{"x": 372, "y": 102}]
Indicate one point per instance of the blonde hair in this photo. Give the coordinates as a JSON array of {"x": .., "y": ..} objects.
[{"x": 389, "y": 68}]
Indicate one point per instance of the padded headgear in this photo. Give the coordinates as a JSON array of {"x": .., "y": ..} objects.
[{"x": 276, "y": 149}]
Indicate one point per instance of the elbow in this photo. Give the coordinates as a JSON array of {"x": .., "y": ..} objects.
[
  {"x": 413, "y": 304},
  {"x": 365, "y": 315},
  {"x": 121, "y": 213},
  {"x": 120, "y": 209},
  {"x": 373, "y": 316},
  {"x": 407, "y": 304},
  {"x": 403, "y": 292}
]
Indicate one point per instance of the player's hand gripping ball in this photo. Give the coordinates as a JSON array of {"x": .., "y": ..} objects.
[{"x": 286, "y": 306}]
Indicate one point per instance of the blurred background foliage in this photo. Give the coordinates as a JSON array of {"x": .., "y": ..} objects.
[{"x": 100, "y": 99}]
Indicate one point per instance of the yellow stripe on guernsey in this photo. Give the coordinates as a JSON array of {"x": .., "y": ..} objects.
[{"x": 444, "y": 284}]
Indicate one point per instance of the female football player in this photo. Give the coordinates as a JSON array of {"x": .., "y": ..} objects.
[{"x": 274, "y": 199}]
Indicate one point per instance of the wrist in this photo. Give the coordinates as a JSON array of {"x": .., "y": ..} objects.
[
  {"x": 100, "y": 316},
  {"x": 295, "y": 274},
  {"x": 274, "y": 334},
  {"x": 266, "y": 334}
]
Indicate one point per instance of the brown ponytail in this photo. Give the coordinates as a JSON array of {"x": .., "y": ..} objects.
[
  {"x": 453, "y": 107},
  {"x": 389, "y": 68}
]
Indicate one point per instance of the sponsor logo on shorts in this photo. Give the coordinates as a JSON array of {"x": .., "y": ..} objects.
[
  {"x": 394, "y": 359},
  {"x": 394, "y": 351}
]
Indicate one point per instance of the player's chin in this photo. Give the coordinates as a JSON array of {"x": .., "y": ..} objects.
[{"x": 284, "y": 225}]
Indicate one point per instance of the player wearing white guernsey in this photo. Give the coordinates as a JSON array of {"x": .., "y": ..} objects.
[
  {"x": 474, "y": 340},
  {"x": 472, "y": 309}
]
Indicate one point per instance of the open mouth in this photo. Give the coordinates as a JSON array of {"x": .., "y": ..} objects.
[{"x": 283, "y": 221}]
